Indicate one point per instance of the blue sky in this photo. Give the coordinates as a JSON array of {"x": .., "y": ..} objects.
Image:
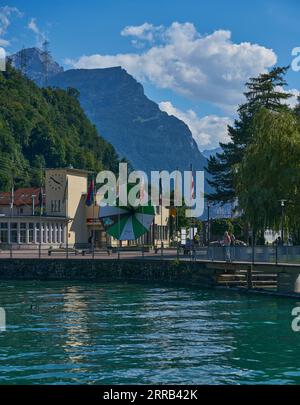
[{"x": 184, "y": 43}]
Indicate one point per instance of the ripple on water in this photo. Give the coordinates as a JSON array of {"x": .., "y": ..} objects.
[{"x": 139, "y": 334}]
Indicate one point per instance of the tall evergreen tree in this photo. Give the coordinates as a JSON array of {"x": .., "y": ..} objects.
[{"x": 264, "y": 91}]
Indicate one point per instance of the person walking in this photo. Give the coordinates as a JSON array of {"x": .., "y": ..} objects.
[
  {"x": 227, "y": 244},
  {"x": 232, "y": 245}
]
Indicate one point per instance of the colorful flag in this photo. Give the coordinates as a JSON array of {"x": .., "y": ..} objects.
[
  {"x": 142, "y": 190},
  {"x": 192, "y": 185},
  {"x": 160, "y": 191},
  {"x": 91, "y": 194}
]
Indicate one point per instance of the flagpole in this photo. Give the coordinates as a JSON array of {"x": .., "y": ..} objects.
[
  {"x": 192, "y": 219},
  {"x": 176, "y": 219},
  {"x": 141, "y": 201},
  {"x": 119, "y": 225},
  {"x": 11, "y": 215},
  {"x": 93, "y": 228},
  {"x": 161, "y": 220},
  {"x": 67, "y": 216},
  {"x": 40, "y": 221}
]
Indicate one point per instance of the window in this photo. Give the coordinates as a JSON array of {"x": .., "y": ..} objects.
[
  {"x": 31, "y": 233},
  {"x": 52, "y": 228},
  {"x": 14, "y": 232},
  {"x": 22, "y": 233},
  {"x": 44, "y": 232},
  {"x": 56, "y": 240},
  {"x": 48, "y": 233},
  {"x": 62, "y": 234},
  {"x": 3, "y": 233},
  {"x": 37, "y": 226}
]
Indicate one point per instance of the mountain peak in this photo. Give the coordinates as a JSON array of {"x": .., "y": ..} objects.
[
  {"x": 116, "y": 103},
  {"x": 36, "y": 64}
]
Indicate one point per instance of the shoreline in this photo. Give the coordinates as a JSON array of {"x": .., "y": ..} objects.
[{"x": 186, "y": 273}]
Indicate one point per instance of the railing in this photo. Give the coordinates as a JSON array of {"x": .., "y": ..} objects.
[
  {"x": 248, "y": 254},
  {"x": 262, "y": 254}
]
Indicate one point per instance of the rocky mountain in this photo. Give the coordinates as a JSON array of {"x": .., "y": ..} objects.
[
  {"x": 115, "y": 102},
  {"x": 138, "y": 129},
  {"x": 38, "y": 65},
  {"x": 211, "y": 152}
]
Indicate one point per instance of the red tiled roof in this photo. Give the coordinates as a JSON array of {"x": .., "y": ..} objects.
[{"x": 22, "y": 196}]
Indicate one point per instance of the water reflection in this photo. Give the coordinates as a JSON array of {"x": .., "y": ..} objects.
[{"x": 118, "y": 333}]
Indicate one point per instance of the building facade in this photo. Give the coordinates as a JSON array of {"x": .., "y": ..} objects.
[{"x": 58, "y": 216}]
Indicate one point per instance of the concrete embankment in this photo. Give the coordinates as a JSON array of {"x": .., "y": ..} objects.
[
  {"x": 171, "y": 271},
  {"x": 266, "y": 278}
]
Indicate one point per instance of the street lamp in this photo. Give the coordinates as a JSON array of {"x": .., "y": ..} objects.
[
  {"x": 282, "y": 204},
  {"x": 33, "y": 204},
  {"x": 208, "y": 222}
]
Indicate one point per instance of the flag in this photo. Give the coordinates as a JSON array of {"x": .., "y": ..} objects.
[
  {"x": 192, "y": 185},
  {"x": 91, "y": 194},
  {"x": 142, "y": 190},
  {"x": 173, "y": 212},
  {"x": 160, "y": 191},
  {"x": 177, "y": 190}
]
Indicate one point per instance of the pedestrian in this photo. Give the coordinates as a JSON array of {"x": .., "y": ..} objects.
[
  {"x": 226, "y": 244},
  {"x": 232, "y": 239},
  {"x": 232, "y": 245}
]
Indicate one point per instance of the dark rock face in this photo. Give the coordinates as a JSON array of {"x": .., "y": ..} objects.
[
  {"x": 115, "y": 102},
  {"x": 36, "y": 65},
  {"x": 149, "y": 138}
]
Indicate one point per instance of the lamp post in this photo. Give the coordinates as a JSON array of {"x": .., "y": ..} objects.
[
  {"x": 208, "y": 222},
  {"x": 11, "y": 216},
  {"x": 282, "y": 204},
  {"x": 33, "y": 204}
]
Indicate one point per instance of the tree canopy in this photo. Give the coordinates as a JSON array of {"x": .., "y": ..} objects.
[
  {"x": 265, "y": 91},
  {"x": 270, "y": 170},
  {"x": 45, "y": 128}
]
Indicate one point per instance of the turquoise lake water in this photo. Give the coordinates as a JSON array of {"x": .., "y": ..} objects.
[{"x": 144, "y": 334}]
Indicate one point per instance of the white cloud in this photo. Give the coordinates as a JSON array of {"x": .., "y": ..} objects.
[
  {"x": 207, "y": 67},
  {"x": 145, "y": 31},
  {"x": 293, "y": 101},
  {"x": 4, "y": 42},
  {"x": 6, "y": 13},
  {"x": 207, "y": 131},
  {"x": 33, "y": 26},
  {"x": 40, "y": 35}
]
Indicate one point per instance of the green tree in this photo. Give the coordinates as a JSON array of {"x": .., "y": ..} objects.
[
  {"x": 270, "y": 170},
  {"x": 265, "y": 91},
  {"x": 42, "y": 128},
  {"x": 220, "y": 226}
]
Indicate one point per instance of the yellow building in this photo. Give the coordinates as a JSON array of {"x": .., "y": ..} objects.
[
  {"x": 65, "y": 219},
  {"x": 65, "y": 191}
]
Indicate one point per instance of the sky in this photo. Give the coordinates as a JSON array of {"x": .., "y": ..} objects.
[{"x": 192, "y": 56}]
